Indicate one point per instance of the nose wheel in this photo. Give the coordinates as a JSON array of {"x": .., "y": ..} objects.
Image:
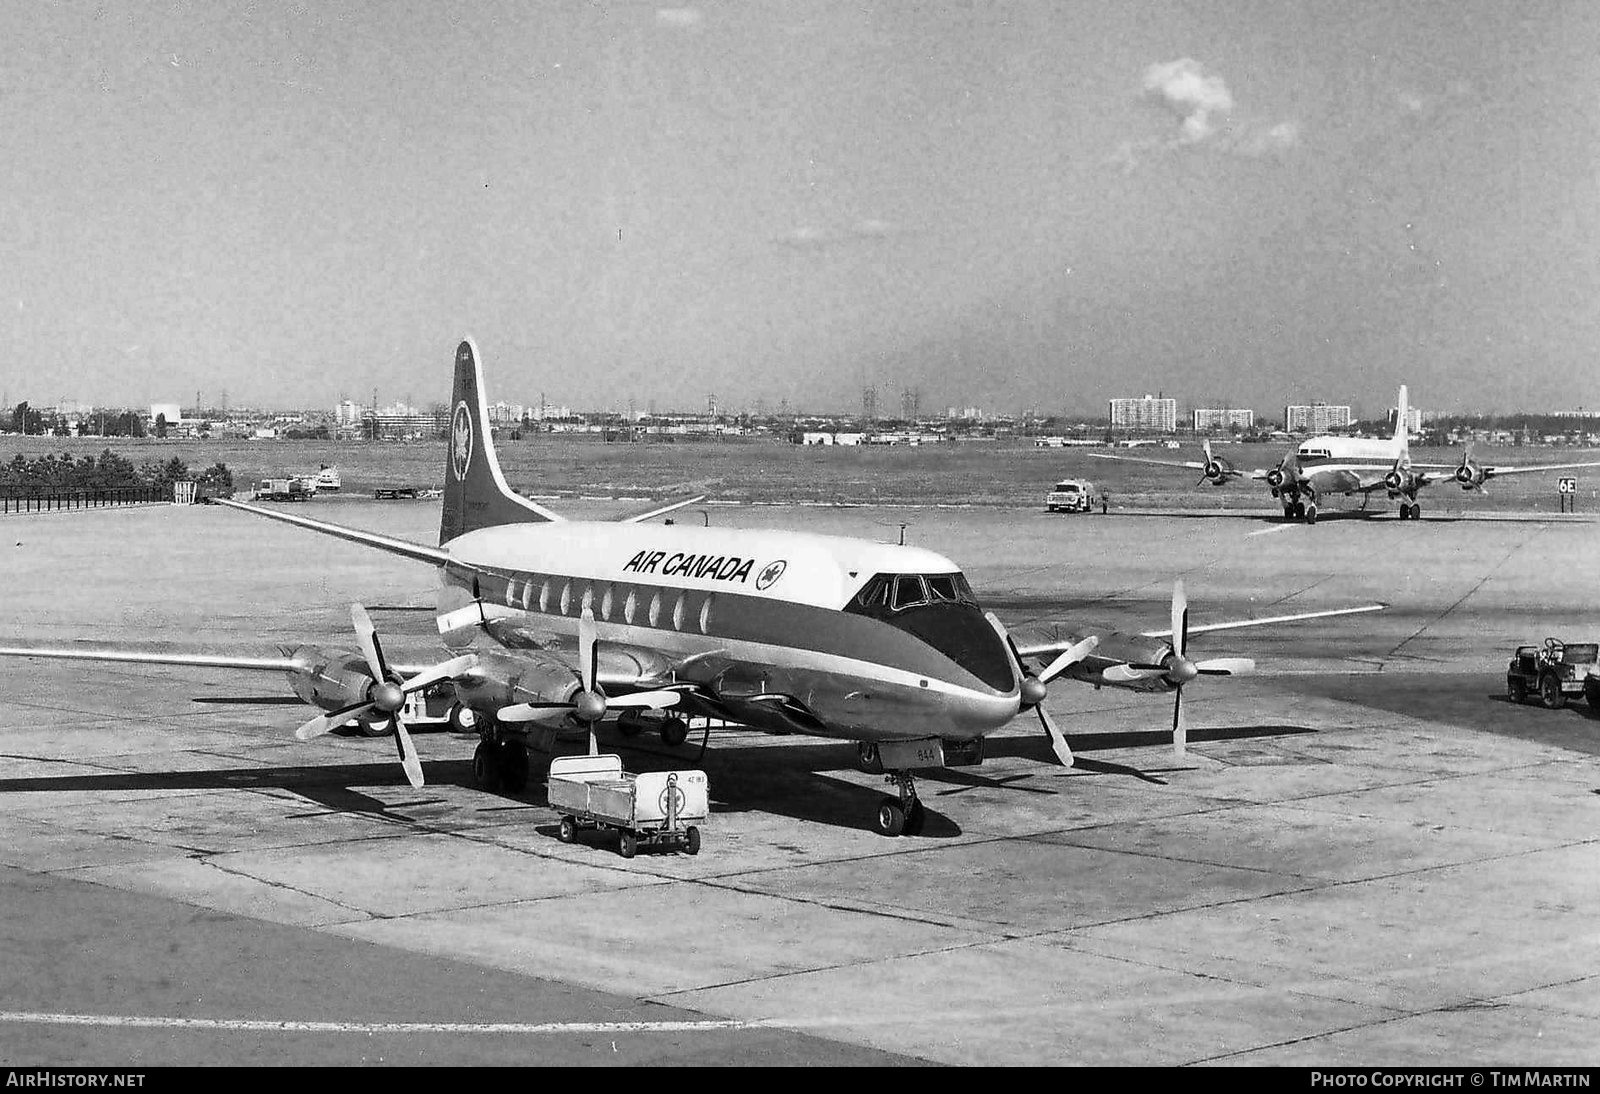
[{"x": 903, "y": 815}]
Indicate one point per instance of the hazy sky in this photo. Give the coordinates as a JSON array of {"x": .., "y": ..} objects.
[{"x": 1010, "y": 205}]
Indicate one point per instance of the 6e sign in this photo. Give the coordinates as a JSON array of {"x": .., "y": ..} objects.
[{"x": 1567, "y": 490}]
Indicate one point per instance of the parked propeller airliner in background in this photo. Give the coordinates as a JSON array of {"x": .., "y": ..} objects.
[
  {"x": 1350, "y": 465},
  {"x": 553, "y": 625}
]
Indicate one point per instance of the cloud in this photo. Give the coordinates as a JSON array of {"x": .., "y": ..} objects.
[
  {"x": 807, "y": 235},
  {"x": 1204, "y": 108},
  {"x": 1185, "y": 89},
  {"x": 678, "y": 17},
  {"x": 811, "y": 236},
  {"x": 1260, "y": 142}
]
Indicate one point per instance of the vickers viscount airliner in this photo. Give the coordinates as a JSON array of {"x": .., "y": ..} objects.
[
  {"x": 1352, "y": 465},
  {"x": 552, "y": 625}
]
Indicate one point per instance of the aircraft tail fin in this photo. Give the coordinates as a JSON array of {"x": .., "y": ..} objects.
[
  {"x": 475, "y": 492},
  {"x": 1402, "y": 423}
]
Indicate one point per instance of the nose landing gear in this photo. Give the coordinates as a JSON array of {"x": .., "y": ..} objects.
[{"x": 903, "y": 815}]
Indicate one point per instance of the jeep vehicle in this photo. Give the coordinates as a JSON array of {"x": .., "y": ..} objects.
[
  {"x": 1071, "y": 496},
  {"x": 1553, "y": 672}
]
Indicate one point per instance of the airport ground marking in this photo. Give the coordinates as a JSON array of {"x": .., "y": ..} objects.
[
  {"x": 260, "y": 1025},
  {"x": 1269, "y": 531}
]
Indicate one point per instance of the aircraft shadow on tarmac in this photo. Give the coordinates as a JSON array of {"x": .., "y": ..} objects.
[{"x": 792, "y": 780}]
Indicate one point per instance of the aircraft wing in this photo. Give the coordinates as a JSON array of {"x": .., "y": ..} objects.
[
  {"x": 659, "y": 509},
  {"x": 1193, "y": 465},
  {"x": 1524, "y": 469},
  {"x": 416, "y": 551},
  {"x": 150, "y": 657},
  {"x": 128, "y": 655},
  {"x": 1056, "y": 638},
  {"x": 1263, "y": 621}
]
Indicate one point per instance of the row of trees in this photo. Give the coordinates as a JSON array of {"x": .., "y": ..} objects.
[
  {"x": 107, "y": 471},
  {"x": 33, "y": 423}
]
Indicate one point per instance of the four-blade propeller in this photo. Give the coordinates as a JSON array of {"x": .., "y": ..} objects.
[
  {"x": 387, "y": 693},
  {"x": 590, "y": 703},
  {"x": 1176, "y": 668}
]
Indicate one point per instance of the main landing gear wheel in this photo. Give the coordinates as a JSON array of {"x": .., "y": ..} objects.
[
  {"x": 374, "y": 729},
  {"x": 486, "y": 766},
  {"x": 463, "y": 719},
  {"x": 674, "y": 731},
  {"x": 1311, "y": 512},
  {"x": 902, "y": 815},
  {"x": 629, "y": 723}
]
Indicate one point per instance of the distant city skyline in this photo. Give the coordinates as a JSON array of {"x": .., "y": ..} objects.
[{"x": 1045, "y": 203}]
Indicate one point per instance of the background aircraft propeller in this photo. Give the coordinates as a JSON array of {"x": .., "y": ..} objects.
[
  {"x": 1034, "y": 688},
  {"x": 590, "y": 704},
  {"x": 387, "y": 693}
]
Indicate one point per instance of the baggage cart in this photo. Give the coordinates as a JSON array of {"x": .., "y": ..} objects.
[{"x": 652, "y": 809}]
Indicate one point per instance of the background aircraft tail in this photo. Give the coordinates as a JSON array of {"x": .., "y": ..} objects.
[
  {"x": 475, "y": 492},
  {"x": 1402, "y": 424}
]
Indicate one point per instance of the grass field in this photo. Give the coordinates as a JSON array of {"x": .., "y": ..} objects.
[{"x": 1001, "y": 473}]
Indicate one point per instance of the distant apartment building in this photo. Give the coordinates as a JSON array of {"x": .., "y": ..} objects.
[
  {"x": 1316, "y": 418},
  {"x": 1414, "y": 420},
  {"x": 347, "y": 414},
  {"x": 402, "y": 422},
  {"x": 503, "y": 413},
  {"x": 1212, "y": 420},
  {"x": 1151, "y": 414}
]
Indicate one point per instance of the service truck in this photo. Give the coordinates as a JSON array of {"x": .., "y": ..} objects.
[
  {"x": 1071, "y": 496},
  {"x": 282, "y": 490}
]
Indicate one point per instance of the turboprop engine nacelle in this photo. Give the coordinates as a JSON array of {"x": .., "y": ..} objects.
[
  {"x": 1133, "y": 649},
  {"x": 329, "y": 678},
  {"x": 503, "y": 681}
]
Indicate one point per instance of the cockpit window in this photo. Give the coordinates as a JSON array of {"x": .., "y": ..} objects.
[
  {"x": 898, "y": 592},
  {"x": 907, "y": 592},
  {"x": 938, "y": 609}
]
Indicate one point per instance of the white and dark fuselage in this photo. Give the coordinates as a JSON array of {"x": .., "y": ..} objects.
[{"x": 785, "y": 631}]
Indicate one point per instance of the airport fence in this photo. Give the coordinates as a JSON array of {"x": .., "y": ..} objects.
[{"x": 46, "y": 501}]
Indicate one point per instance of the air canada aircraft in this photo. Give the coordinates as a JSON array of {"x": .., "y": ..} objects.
[
  {"x": 1352, "y": 465},
  {"x": 552, "y": 625}
]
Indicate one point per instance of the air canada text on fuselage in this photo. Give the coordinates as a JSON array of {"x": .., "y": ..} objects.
[{"x": 712, "y": 567}]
